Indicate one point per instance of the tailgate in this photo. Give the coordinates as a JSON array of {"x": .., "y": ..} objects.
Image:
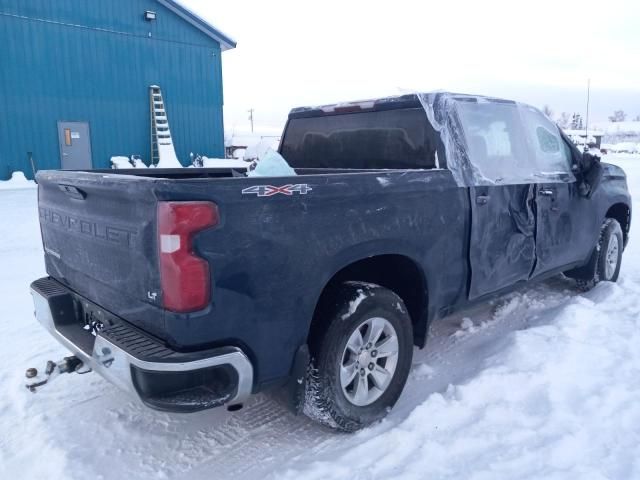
[{"x": 99, "y": 237}]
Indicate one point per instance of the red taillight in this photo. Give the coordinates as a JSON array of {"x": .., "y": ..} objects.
[{"x": 184, "y": 276}]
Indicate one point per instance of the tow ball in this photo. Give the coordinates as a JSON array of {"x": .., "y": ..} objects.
[{"x": 67, "y": 365}]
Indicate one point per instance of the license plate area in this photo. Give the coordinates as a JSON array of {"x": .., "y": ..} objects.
[
  {"x": 75, "y": 318},
  {"x": 92, "y": 317}
]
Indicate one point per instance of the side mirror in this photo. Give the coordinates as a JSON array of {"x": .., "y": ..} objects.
[{"x": 589, "y": 174}]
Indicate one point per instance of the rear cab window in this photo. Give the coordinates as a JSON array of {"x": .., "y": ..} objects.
[{"x": 383, "y": 139}]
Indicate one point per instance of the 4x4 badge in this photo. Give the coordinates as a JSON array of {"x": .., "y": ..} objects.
[{"x": 270, "y": 190}]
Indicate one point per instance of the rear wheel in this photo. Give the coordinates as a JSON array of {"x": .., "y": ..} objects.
[{"x": 360, "y": 358}]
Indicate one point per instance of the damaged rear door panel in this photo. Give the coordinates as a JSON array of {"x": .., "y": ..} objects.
[{"x": 502, "y": 249}]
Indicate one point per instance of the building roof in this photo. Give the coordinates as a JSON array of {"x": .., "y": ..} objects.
[{"x": 225, "y": 41}]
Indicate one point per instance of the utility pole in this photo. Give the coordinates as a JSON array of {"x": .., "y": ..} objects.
[
  {"x": 251, "y": 118},
  {"x": 586, "y": 126}
]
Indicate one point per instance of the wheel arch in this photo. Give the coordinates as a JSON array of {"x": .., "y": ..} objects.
[
  {"x": 621, "y": 212},
  {"x": 397, "y": 272}
]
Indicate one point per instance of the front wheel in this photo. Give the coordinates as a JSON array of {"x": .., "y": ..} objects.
[
  {"x": 607, "y": 255},
  {"x": 360, "y": 359}
]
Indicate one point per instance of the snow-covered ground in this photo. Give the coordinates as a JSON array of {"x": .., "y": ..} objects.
[{"x": 544, "y": 383}]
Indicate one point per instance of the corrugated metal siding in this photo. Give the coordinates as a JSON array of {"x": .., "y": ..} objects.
[{"x": 93, "y": 60}]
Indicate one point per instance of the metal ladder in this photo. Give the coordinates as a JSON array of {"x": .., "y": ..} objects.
[{"x": 160, "y": 132}]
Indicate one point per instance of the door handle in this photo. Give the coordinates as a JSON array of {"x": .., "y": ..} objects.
[
  {"x": 73, "y": 192},
  {"x": 546, "y": 192},
  {"x": 482, "y": 199}
]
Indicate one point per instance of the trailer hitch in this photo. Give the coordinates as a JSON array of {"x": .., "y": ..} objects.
[{"x": 52, "y": 370}]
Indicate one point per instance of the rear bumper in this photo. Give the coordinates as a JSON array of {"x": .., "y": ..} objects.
[{"x": 161, "y": 378}]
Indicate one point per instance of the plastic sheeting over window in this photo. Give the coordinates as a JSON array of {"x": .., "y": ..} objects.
[{"x": 497, "y": 142}]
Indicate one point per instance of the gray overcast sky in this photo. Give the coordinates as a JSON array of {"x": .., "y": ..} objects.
[{"x": 293, "y": 53}]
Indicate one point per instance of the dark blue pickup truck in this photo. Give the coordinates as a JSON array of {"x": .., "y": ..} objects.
[{"x": 195, "y": 288}]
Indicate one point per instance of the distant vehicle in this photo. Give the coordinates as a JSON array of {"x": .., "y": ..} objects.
[{"x": 194, "y": 288}]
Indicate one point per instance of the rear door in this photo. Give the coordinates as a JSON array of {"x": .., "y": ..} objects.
[
  {"x": 75, "y": 145},
  {"x": 502, "y": 249}
]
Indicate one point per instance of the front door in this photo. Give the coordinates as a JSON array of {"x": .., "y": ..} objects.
[
  {"x": 559, "y": 222},
  {"x": 566, "y": 227},
  {"x": 75, "y": 145}
]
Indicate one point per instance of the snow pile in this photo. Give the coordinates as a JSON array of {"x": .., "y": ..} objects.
[
  {"x": 239, "y": 153},
  {"x": 120, "y": 162},
  {"x": 138, "y": 163},
  {"x": 579, "y": 138},
  {"x": 16, "y": 182},
  {"x": 624, "y": 147},
  {"x": 167, "y": 155},
  {"x": 259, "y": 149},
  {"x": 124, "y": 162},
  {"x": 223, "y": 163},
  {"x": 272, "y": 164}
]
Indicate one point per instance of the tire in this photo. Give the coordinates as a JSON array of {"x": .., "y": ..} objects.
[
  {"x": 607, "y": 256},
  {"x": 357, "y": 310}
]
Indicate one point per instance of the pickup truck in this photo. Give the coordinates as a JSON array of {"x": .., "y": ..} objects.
[{"x": 195, "y": 288}]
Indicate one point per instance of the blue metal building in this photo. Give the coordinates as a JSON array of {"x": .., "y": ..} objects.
[{"x": 88, "y": 65}]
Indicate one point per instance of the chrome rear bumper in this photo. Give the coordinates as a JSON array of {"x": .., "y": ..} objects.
[{"x": 151, "y": 381}]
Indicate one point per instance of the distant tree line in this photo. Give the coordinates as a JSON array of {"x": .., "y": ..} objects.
[
  {"x": 574, "y": 120},
  {"x": 618, "y": 116}
]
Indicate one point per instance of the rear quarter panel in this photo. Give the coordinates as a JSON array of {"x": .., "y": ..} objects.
[{"x": 271, "y": 256}]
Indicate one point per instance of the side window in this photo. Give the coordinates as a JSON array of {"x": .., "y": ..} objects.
[
  {"x": 509, "y": 143},
  {"x": 495, "y": 143},
  {"x": 547, "y": 141},
  {"x": 552, "y": 158},
  {"x": 498, "y": 140},
  {"x": 490, "y": 146}
]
